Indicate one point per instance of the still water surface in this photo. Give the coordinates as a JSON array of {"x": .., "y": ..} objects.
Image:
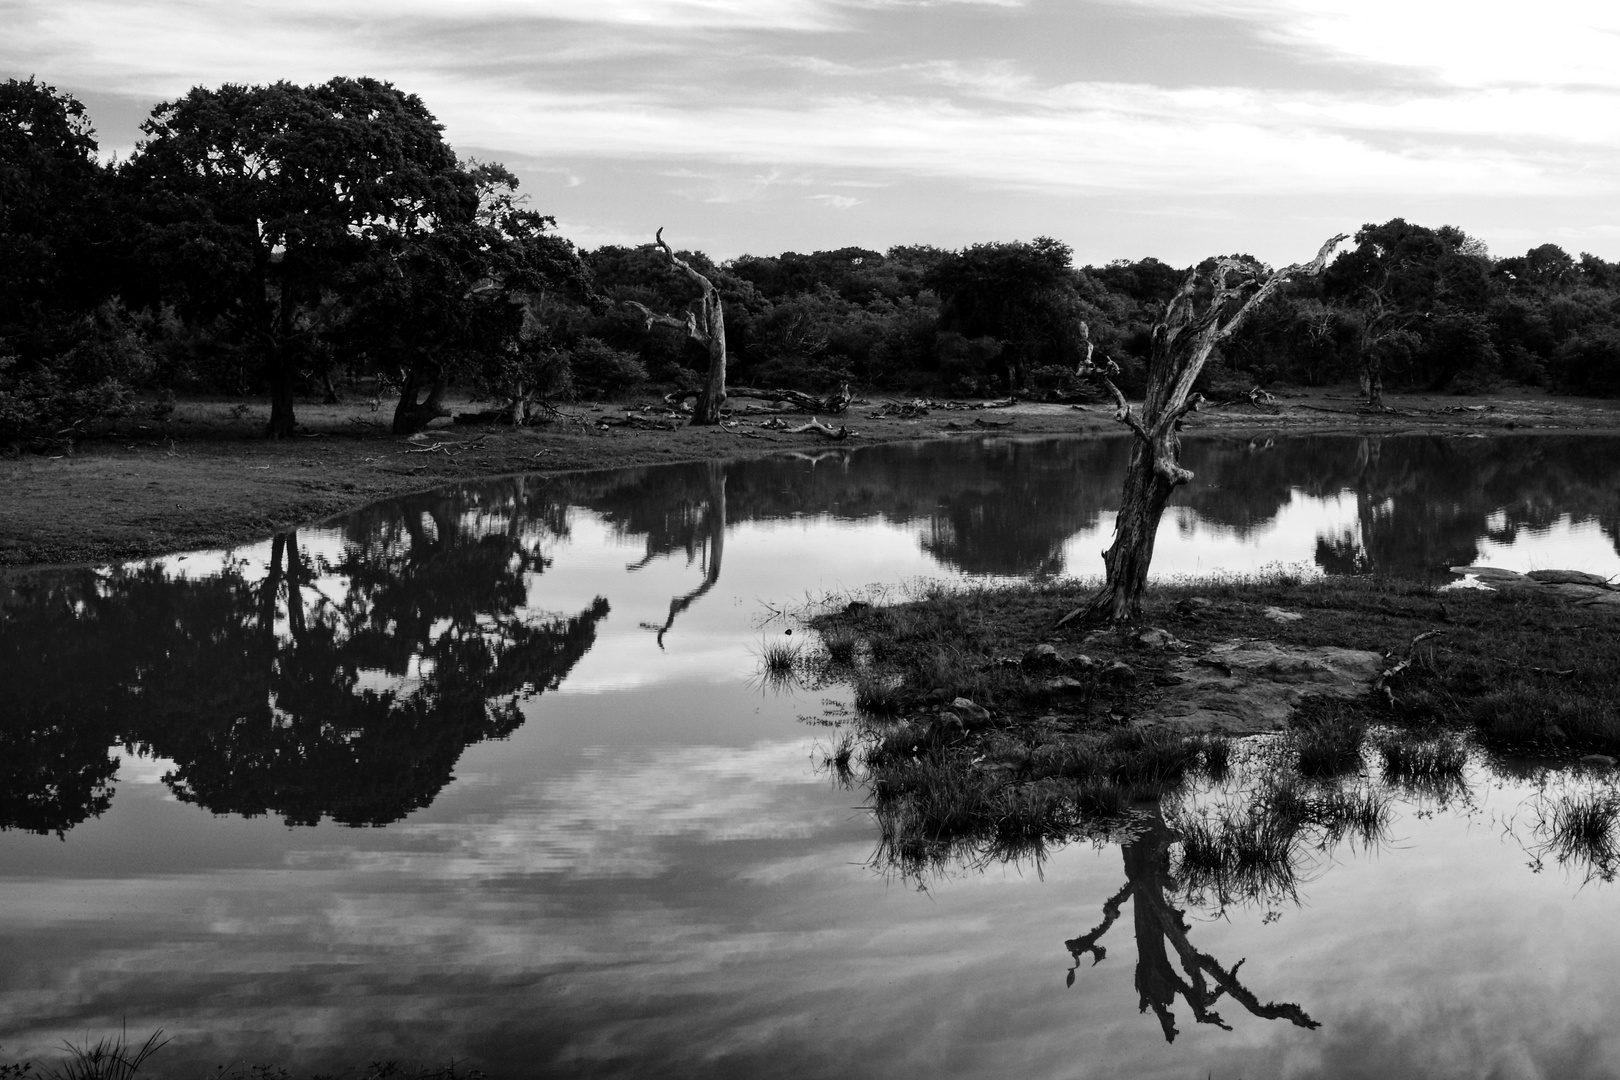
[{"x": 599, "y": 846}]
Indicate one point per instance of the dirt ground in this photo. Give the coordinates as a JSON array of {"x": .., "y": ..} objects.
[{"x": 206, "y": 478}]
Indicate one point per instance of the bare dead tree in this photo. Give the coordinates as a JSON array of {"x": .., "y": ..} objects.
[
  {"x": 706, "y": 326},
  {"x": 1209, "y": 308}
]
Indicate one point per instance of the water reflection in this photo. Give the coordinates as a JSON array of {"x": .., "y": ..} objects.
[
  {"x": 1160, "y": 926},
  {"x": 343, "y": 680},
  {"x": 341, "y": 688}
]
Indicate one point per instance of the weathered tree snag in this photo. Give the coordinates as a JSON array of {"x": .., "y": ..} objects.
[
  {"x": 707, "y": 327},
  {"x": 1210, "y": 307},
  {"x": 1161, "y": 927}
]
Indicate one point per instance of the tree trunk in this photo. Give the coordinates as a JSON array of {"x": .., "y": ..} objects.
[
  {"x": 413, "y": 413},
  {"x": 283, "y": 368},
  {"x": 1135, "y": 529},
  {"x": 1372, "y": 381},
  {"x": 1210, "y": 307},
  {"x": 282, "y": 420},
  {"x": 706, "y": 409}
]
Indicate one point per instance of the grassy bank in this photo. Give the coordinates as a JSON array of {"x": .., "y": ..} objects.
[
  {"x": 207, "y": 478},
  {"x": 981, "y": 734}
]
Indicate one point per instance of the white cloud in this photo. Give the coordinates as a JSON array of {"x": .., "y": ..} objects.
[{"x": 1483, "y": 43}]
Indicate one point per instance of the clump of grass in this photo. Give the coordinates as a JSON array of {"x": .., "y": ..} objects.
[
  {"x": 1329, "y": 745},
  {"x": 1237, "y": 856},
  {"x": 1424, "y": 765},
  {"x": 841, "y": 643},
  {"x": 838, "y": 759},
  {"x": 110, "y": 1058},
  {"x": 1214, "y": 756},
  {"x": 778, "y": 657},
  {"x": 1581, "y": 830},
  {"x": 877, "y": 694},
  {"x": 1252, "y": 850},
  {"x": 1148, "y": 757}
]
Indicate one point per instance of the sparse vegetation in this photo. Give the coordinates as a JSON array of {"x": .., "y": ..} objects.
[
  {"x": 117, "y": 1058},
  {"x": 1052, "y": 744}
]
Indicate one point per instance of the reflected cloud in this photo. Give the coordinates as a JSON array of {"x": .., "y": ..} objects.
[{"x": 624, "y": 819}]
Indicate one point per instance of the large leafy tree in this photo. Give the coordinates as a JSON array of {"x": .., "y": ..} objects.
[
  {"x": 1416, "y": 293},
  {"x": 1023, "y": 295},
  {"x": 52, "y": 209},
  {"x": 460, "y": 292},
  {"x": 67, "y": 356},
  {"x": 261, "y": 198}
]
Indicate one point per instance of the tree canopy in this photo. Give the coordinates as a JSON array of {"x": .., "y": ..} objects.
[{"x": 283, "y": 239}]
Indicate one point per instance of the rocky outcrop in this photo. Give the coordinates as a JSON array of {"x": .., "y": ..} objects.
[
  {"x": 1244, "y": 687},
  {"x": 1573, "y": 586}
]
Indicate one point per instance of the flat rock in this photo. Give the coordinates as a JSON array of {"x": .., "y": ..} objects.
[
  {"x": 1120, "y": 672},
  {"x": 1489, "y": 573},
  {"x": 1277, "y": 614},
  {"x": 1155, "y": 638},
  {"x": 1568, "y": 577},
  {"x": 972, "y": 713},
  {"x": 1242, "y": 687},
  {"x": 1567, "y": 590},
  {"x": 1038, "y": 656}
]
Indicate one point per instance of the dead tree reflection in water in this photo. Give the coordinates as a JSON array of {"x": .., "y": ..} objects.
[
  {"x": 707, "y": 543},
  {"x": 1161, "y": 927}
]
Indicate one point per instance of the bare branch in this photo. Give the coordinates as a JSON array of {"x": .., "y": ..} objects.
[
  {"x": 681, "y": 264},
  {"x": 1277, "y": 279},
  {"x": 653, "y": 318}
]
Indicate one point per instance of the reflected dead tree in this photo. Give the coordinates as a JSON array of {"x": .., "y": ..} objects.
[
  {"x": 711, "y": 549},
  {"x": 1161, "y": 928}
]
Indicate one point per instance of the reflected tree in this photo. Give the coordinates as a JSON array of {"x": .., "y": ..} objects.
[
  {"x": 55, "y": 771},
  {"x": 344, "y": 691},
  {"x": 1161, "y": 928},
  {"x": 707, "y": 542}
]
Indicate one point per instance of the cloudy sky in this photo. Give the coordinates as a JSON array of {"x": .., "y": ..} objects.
[{"x": 1174, "y": 128}]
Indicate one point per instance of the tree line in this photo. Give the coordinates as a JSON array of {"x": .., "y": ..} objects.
[{"x": 292, "y": 241}]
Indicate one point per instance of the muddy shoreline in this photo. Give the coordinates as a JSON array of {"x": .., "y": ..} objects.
[{"x": 206, "y": 479}]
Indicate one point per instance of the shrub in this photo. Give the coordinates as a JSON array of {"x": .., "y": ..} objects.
[{"x": 598, "y": 370}]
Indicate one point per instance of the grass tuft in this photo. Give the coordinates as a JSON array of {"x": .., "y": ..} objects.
[
  {"x": 1424, "y": 765},
  {"x": 841, "y": 643},
  {"x": 1329, "y": 745},
  {"x": 111, "y": 1058}
]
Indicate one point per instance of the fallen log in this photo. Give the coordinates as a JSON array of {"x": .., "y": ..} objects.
[
  {"x": 819, "y": 428},
  {"x": 832, "y": 403}
]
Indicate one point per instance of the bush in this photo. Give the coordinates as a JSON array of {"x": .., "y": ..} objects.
[
  {"x": 92, "y": 380},
  {"x": 1589, "y": 363},
  {"x": 598, "y": 370}
]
